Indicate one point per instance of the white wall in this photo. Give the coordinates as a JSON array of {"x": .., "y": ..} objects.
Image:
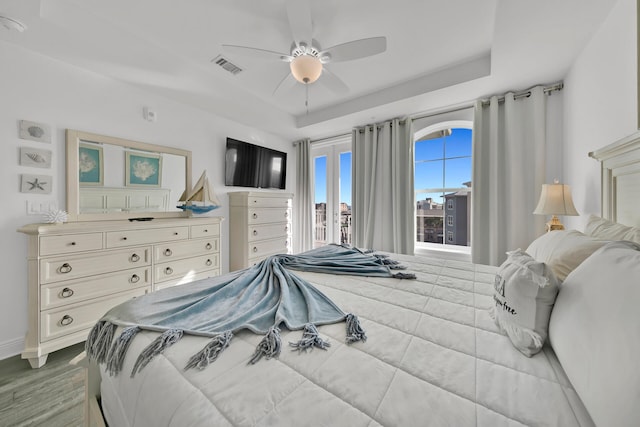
[
  {"x": 600, "y": 105},
  {"x": 36, "y": 88}
]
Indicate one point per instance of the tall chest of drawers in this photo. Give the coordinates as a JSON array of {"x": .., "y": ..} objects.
[
  {"x": 78, "y": 271},
  {"x": 259, "y": 226}
]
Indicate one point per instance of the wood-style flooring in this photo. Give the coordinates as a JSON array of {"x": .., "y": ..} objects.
[{"x": 52, "y": 396}]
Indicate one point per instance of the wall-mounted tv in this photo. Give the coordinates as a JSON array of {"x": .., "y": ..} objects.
[{"x": 249, "y": 165}]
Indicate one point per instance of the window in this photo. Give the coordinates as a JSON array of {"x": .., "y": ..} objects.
[
  {"x": 332, "y": 183},
  {"x": 443, "y": 184}
]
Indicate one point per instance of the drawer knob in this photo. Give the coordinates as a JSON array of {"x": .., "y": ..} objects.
[
  {"x": 167, "y": 252},
  {"x": 175, "y": 233},
  {"x": 208, "y": 262},
  {"x": 206, "y": 231},
  {"x": 286, "y": 228},
  {"x": 134, "y": 279},
  {"x": 73, "y": 243},
  {"x": 66, "y": 293},
  {"x": 124, "y": 238},
  {"x": 66, "y": 320},
  {"x": 64, "y": 268},
  {"x": 255, "y": 216},
  {"x": 286, "y": 213},
  {"x": 135, "y": 258},
  {"x": 255, "y": 249},
  {"x": 208, "y": 246},
  {"x": 255, "y": 232},
  {"x": 168, "y": 270}
]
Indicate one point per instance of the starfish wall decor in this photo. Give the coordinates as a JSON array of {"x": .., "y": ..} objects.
[{"x": 36, "y": 184}]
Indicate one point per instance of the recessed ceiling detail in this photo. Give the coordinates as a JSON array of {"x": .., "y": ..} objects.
[{"x": 466, "y": 49}]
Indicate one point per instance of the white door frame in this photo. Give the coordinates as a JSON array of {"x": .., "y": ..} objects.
[{"x": 331, "y": 149}]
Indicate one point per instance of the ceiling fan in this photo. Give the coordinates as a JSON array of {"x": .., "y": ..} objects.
[{"x": 307, "y": 61}]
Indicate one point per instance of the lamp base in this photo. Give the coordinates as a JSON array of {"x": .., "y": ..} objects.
[{"x": 554, "y": 224}]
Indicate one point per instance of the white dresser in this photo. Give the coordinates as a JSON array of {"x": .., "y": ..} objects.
[
  {"x": 259, "y": 226},
  {"x": 77, "y": 271}
]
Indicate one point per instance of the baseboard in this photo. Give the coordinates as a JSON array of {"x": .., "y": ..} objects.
[{"x": 11, "y": 348}]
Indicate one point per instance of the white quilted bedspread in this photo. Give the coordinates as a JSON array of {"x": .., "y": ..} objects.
[{"x": 433, "y": 358}]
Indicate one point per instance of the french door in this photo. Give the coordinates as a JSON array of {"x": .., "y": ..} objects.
[{"x": 332, "y": 191}]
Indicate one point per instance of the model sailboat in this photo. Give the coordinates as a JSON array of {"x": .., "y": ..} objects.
[{"x": 201, "y": 198}]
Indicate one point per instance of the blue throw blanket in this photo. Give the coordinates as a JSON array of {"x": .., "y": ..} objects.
[{"x": 260, "y": 299}]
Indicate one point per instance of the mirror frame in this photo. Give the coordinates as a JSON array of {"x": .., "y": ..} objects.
[{"x": 74, "y": 137}]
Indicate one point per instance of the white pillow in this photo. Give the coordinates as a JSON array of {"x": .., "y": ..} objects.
[
  {"x": 563, "y": 250},
  {"x": 595, "y": 333},
  {"x": 525, "y": 291},
  {"x": 604, "y": 229}
]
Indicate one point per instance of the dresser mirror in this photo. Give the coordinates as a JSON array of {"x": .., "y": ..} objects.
[{"x": 114, "y": 178}]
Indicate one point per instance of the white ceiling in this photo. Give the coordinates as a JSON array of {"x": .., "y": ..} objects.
[{"x": 440, "y": 53}]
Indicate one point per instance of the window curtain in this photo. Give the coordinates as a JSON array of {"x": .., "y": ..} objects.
[
  {"x": 383, "y": 201},
  {"x": 509, "y": 168},
  {"x": 304, "y": 198}
]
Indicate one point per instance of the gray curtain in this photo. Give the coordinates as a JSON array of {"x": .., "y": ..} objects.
[
  {"x": 304, "y": 198},
  {"x": 509, "y": 168},
  {"x": 383, "y": 201}
]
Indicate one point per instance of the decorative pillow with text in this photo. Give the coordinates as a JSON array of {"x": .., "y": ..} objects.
[{"x": 525, "y": 290}]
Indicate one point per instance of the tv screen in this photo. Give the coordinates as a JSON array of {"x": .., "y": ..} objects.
[{"x": 249, "y": 165}]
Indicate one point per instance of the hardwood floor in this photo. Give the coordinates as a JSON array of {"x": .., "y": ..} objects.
[{"x": 52, "y": 396}]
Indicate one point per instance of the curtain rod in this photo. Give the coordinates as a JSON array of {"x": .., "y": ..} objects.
[
  {"x": 524, "y": 94},
  {"x": 446, "y": 110}
]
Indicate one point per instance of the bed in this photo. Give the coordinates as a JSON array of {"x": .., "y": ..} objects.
[{"x": 434, "y": 356}]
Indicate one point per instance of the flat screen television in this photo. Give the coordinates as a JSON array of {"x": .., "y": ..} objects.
[{"x": 250, "y": 165}]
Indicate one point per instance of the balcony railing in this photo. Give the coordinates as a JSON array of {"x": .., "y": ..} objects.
[{"x": 321, "y": 228}]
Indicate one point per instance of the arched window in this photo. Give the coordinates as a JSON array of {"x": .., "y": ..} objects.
[{"x": 443, "y": 184}]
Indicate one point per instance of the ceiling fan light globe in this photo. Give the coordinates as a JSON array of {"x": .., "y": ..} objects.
[{"x": 306, "y": 69}]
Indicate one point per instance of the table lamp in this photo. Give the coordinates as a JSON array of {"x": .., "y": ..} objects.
[{"x": 555, "y": 200}]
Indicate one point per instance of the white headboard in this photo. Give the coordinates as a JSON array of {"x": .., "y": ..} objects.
[{"x": 620, "y": 169}]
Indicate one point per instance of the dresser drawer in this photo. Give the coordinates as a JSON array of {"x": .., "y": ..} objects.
[
  {"x": 268, "y": 231},
  {"x": 72, "y": 267},
  {"x": 262, "y": 216},
  {"x": 176, "y": 250},
  {"x": 185, "y": 268},
  {"x": 187, "y": 279},
  {"x": 70, "y": 243},
  {"x": 268, "y": 247},
  {"x": 269, "y": 202},
  {"x": 73, "y": 291},
  {"x": 118, "y": 239},
  {"x": 69, "y": 319},
  {"x": 205, "y": 230}
]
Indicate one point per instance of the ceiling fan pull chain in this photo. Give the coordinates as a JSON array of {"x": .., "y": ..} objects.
[{"x": 306, "y": 97}]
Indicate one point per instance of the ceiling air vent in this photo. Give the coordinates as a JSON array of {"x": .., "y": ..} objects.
[{"x": 226, "y": 64}]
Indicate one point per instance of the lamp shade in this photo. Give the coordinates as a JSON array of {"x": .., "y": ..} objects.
[
  {"x": 555, "y": 199},
  {"x": 306, "y": 68}
]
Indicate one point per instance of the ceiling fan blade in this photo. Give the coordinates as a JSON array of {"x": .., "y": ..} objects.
[
  {"x": 255, "y": 53},
  {"x": 286, "y": 83},
  {"x": 299, "y": 14},
  {"x": 332, "y": 82},
  {"x": 354, "y": 50}
]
